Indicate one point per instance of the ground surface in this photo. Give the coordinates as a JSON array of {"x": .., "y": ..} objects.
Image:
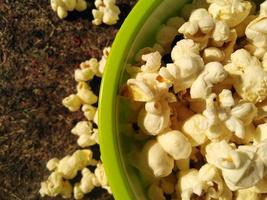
[{"x": 38, "y": 54}]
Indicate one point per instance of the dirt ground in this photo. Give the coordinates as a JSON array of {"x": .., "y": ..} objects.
[{"x": 38, "y": 55}]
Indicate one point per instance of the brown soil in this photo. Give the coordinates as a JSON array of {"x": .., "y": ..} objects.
[{"x": 38, "y": 55}]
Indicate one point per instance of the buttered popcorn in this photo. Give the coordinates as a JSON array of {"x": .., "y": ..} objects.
[{"x": 203, "y": 113}]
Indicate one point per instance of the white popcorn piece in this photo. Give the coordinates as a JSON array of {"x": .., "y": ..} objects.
[
  {"x": 221, "y": 32},
  {"x": 175, "y": 144},
  {"x": 213, "y": 73},
  {"x": 241, "y": 168},
  {"x": 62, "y": 7},
  {"x": 255, "y": 32},
  {"x": 199, "y": 27},
  {"x": 52, "y": 164},
  {"x": 56, "y": 185},
  {"x": 230, "y": 11},
  {"x": 263, "y": 8},
  {"x": 72, "y": 102},
  {"x": 153, "y": 161},
  {"x": 189, "y": 183},
  {"x": 153, "y": 62},
  {"x": 250, "y": 80},
  {"x": 194, "y": 129},
  {"x": 187, "y": 65},
  {"x": 106, "y": 12},
  {"x": 154, "y": 121},
  {"x": 234, "y": 117},
  {"x": 85, "y": 93}
]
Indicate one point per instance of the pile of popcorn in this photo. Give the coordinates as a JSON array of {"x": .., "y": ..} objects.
[
  {"x": 106, "y": 11},
  {"x": 81, "y": 161},
  {"x": 202, "y": 115}
]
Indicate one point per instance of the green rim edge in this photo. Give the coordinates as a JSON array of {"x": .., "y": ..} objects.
[{"x": 108, "y": 94}]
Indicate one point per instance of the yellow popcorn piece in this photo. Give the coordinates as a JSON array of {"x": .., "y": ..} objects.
[
  {"x": 261, "y": 133},
  {"x": 84, "y": 130},
  {"x": 103, "y": 61},
  {"x": 55, "y": 185},
  {"x": 62, "y": 7},
  {"x": 89, "y": 111},
  {"x": 85, "y": 93},
  {"x": 106, "y": 12},
  {"x": 72, "y": 102}
]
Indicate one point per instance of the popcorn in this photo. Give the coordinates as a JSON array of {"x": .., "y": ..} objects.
[
  {"x": 213, "y": 73},
  {"x": 187, "y": 65},
  {"x": 86, "y": 185},
  {"x": 221, "y": 32},
  {"x": 235, "y": 117},
  {"x": 72, "y": 102},
  {"x": 189, "y": 183},
  {"x": 212, "y": 54},
  {"x": 230, "y": 11},
  {"x": 87, "y": 71},
  {"x": 70, "y": 165},
  {"x": 261, "y": 133},
  {"x": 154, "y": 161},
  {"x": 255, "y": 31},
  {"x": 242, "y": 167},
  {"x": 248, "y": 76},
  {"x": 89, "y": 111},
  {"x": 106, "y": 12},
  {"x": 56, "y": 185},
  {"x": 194, "y": 129},
  {"x": 199, "y": 27},
  {"x": 153, "y": 62},
  {"x": 84, "y": 129},
  {"x": 175, "y": 144},
  {"x": 154, "y": 121},
  {"x": 101, "y": 177},
  {"x": 85, "y": 93},
  {"x": 63, "y": 6}
]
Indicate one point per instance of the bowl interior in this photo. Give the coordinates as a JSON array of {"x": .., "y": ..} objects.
[{"x": 115, "y": 113}]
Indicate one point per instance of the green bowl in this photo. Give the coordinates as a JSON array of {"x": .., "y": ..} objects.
[{"x": 138, "y": 31}]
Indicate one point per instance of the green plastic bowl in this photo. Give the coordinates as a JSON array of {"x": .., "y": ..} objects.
[{"x": 138, "y": 31}]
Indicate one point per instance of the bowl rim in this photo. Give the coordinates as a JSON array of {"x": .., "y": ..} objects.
[{"x": 108, "y": 98}]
